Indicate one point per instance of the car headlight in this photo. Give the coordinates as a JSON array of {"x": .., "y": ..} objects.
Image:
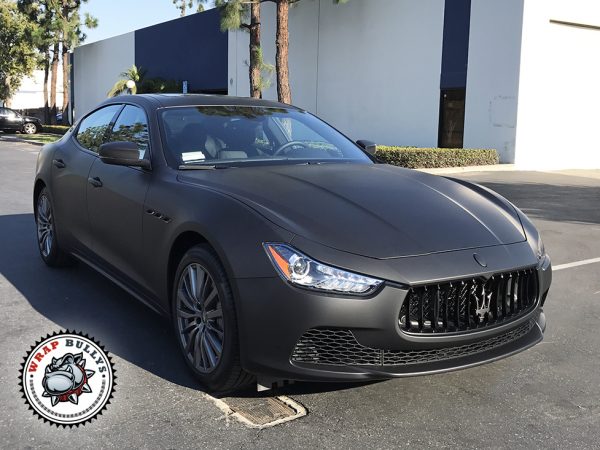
[
  {"x": 543, "y": 258},
  {"x": 541, "y": 248},
  {"x": 304, "y": 271}
]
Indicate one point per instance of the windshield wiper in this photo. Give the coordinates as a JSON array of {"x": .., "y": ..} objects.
[{"x": 203, "y": 166}]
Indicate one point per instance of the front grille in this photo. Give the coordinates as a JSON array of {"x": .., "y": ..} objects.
[
  {"x": 469, "y": 304},
  {"x": 340, "y": 348}
]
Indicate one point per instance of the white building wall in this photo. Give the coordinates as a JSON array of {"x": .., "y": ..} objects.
[
  {"x": 493, "y": 76},
  {"x": 560, "y": 77},
  {"x": 373, "y": 73},
  {"x": 97, "y": 67},
  {"x": 31, "y": 91}
]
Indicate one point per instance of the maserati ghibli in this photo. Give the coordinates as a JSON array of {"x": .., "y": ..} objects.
[{"x": 282, "y": 250}]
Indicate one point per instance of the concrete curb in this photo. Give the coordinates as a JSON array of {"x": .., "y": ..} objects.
[
  {"x": 490, "y": 168},
  {"x": 13, "y": 139}
]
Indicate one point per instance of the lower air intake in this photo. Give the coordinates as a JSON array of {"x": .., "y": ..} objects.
[{"x": 340, "y": 348}]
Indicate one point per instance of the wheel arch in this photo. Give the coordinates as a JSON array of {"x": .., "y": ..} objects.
[
  {"x": 181, "y": 244},
  {"x": 37, "y": 188}
]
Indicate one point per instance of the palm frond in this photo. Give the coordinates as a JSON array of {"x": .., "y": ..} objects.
[{"x": 120, "y": 87}]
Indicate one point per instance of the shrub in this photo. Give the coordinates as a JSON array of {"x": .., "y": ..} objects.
[
  {"x": 428, "y": 158},
  {"x": 56, "y": 129}
]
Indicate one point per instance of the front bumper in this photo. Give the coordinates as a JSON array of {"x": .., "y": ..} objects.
[{"x": 274, "y": 316}]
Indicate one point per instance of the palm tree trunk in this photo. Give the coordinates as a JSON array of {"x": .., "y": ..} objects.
[
  {"x": 255, "y": 58},
  {"x": 65, "y": 71},
  {"x": 54, "y": 73},
  {"x": 284, "y": 93},
  {"x": 66, "y": 16},
  {"x": 46, "y": 73}
]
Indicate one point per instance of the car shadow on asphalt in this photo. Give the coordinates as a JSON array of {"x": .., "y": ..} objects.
[
  {"x": 78, "y": 298},
  {"x": 556, "y": 203}
]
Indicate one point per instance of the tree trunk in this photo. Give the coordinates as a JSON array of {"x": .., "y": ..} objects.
[
  {"x": 284, "y": 93},
  {"x": 46, "y": 73},
  {"x": 255, "y": 59},
  {"x": 65, "y": 72},
  {"x": 66, "y": 17},
  {"x": 54, "y": 73}
]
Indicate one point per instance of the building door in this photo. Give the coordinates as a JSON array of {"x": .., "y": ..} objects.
[{"x": 452, "y": 118}]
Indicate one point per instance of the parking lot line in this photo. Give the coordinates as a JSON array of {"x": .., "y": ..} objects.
[{"x": 576, "y": 264}]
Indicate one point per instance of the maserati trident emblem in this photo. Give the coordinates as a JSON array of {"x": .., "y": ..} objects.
[{"x": 482, "y": 304}]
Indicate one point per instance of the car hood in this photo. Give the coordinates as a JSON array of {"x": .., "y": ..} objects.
[{"x": 373, "y": 210}]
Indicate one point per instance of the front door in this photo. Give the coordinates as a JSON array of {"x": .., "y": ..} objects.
[{"x": 71, "y": 164}]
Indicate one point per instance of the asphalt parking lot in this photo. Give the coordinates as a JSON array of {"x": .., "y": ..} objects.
[{"x": 548, "y": 396}]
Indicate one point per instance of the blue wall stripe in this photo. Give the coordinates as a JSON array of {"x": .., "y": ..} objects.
[
  {"x": 191, "y": 48},
  {"x": 455, "y": 49}
]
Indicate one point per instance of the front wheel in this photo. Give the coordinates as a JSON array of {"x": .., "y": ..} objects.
[{"x": 205, "y": 322}]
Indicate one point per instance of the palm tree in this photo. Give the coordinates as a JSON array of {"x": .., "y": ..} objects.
[
  {"x": 245, "y": 15},
  {"x": 282, "y": 44},
  {"x": 135, "y": 74}
]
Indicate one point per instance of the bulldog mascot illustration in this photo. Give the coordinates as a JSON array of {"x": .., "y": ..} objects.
[{"x": 66, "y": 378}]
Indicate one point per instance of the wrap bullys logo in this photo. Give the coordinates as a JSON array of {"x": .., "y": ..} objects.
[{"x": 67, "y": 378}]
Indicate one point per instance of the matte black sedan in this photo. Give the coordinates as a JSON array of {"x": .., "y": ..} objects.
[
  {"x": 282, "y": 250},
  {"x": 11, "y": 122}
]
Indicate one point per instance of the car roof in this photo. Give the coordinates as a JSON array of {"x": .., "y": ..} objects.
[{"x": 170, "y": 100}]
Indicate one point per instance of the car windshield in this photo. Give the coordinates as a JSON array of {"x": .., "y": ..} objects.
[{"x": 240, "y": 135}]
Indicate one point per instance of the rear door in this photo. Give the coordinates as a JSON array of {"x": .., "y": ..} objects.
[
  {"x": 72, "y": 161},
  {"x": 115, "y": 199}
]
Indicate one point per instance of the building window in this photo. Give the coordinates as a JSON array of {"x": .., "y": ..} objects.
[{"x": 452, "y": 118}]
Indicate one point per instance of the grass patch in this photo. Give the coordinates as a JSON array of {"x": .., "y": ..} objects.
[
  {"x": 430, "y": 158},
  {"x": 56, "y": 129}
]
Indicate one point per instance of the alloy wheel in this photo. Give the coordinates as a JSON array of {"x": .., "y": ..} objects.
[
  {"x": 29, "y": 128},
  {"x": 199, "y": 318},
  {"x": 45, "y": 231}
]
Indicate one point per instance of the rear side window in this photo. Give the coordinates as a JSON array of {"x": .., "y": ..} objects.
[
  {"x": 132, "y": 126},
  {"x": 93, "y": 128}
]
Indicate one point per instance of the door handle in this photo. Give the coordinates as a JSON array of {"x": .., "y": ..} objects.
[
  {"x": 96, "y": 182},
  {"x": 59, "y": 163}
]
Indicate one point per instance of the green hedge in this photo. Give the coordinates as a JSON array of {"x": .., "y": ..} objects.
[
  {"x": 56, "y": 129},
  {"x": 428, "y": 158}
]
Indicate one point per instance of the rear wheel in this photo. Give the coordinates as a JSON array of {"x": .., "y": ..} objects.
[
  {"x": 50, "y": 250},
  {"x": 205, "y": 321},
  {"x": 30, "y": 128}
]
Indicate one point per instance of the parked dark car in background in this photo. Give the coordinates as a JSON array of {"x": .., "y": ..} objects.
[
  {"x": 280, "y": 249},
  {"x": 11, "y": 122}
]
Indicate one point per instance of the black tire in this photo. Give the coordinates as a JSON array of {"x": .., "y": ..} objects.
[
  {"x": 227, "y": 374},
  {"x": 53, "y": 255}
]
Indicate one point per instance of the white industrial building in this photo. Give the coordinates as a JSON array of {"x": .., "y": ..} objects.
[
  {"x": 520, "y": 76},
  {"x": 374, "y": 70},
  {"x": 30, "y": 94}
]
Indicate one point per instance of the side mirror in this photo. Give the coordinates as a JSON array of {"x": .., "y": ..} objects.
[
  {"x": 368, "y": 146},
  {"x": 122, "y": 153}
]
